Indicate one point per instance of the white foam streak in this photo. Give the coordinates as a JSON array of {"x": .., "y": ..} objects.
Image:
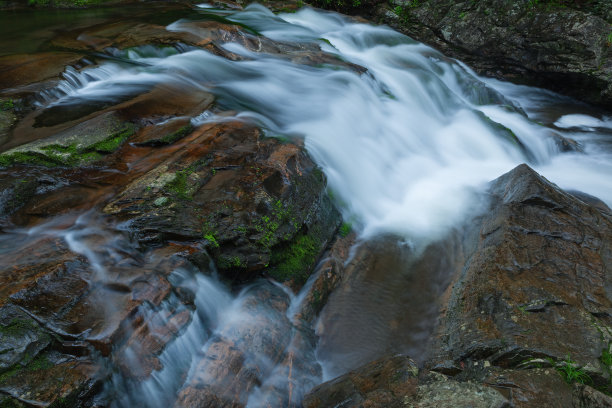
[{"x": 404, "y": 144}]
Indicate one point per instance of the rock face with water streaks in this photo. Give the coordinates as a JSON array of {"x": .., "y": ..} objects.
[
  {"x": 535, "y": 284},
  {"x": 564, "y": 48},
  {"x": 529, "y": 296}
]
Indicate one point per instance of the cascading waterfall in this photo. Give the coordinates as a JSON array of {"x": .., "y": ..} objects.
[
  {"x": 406, "y": 137},
  {"x": 426, "y": 125}
]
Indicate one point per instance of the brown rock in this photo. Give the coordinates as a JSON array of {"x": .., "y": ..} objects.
[
  {"x": 382, "y": 383},
  {"x": 242, "y": 353},
  {"x": 388, "y": 301},
  {"x": 535, "y": 279},
  {"x": 25, "y": 69},
  {"x": 245, "y": 196}
]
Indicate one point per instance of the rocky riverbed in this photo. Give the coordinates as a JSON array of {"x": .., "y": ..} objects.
[{"x": 172, "y": 234}]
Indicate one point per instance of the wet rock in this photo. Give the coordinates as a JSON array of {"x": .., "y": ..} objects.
[
  {"x": 78, "y": 145},
  {"x": 21, "y": 337},
  {"x": 7, "y": 120},
  {"x": 59, "y": 313},
  {"x": 588, "y": 397},
  {"x": 535, "y": 281},
  {"x": 255, "y": 202},
  {"x": 562, "y": 48},
  {"x": 382, "y": 383},
  {"x": 15, "y": 192},
  {"x": 395, "y": 381},
  {"x": 391, "y": 290},
  {"x": 536, "y": 387},
  {"x": 51, "y": 378},
  {"x": 242, "y": 352},
  {"x": 24, "y": 69},
  {"x": 163, "y": 133},
  {"x": 327, "y": 277}
]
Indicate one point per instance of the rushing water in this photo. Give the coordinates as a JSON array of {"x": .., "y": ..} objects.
[
  {"x": 406, "y": 137},
  {"x": 404, "y": 144}
]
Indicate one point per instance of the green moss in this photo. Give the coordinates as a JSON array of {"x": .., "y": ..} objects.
[
  {"x": 18, "y": 327},
  {"x": 345, "y": 229},
  {"x": 179, "y": 134},
  {"x": 268, "y": 225},
  {"x": 55, "y": 155},
  {"x": 212, "y": 240},
  {"x": 112, "y": 143},
  {"x": 317, "y": 300},
  {"x": 230, "y": 262},
  {"x": 179, "y": 184},
  {"x": 39, "y": 363},
  {"x": 7, "y": 105},
  {"x": 295, "y": 261}
]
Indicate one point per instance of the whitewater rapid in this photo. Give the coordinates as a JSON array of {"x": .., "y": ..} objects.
[{"x": 405, "y": 144}]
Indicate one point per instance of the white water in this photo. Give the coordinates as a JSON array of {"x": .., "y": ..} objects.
[
  {"x": 243, "y": 320},
  {"x": 404, "y": 145}
]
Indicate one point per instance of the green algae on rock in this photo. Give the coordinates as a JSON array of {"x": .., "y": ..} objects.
[
  {"x": 79, "y": 145},
  {"x": 257, "y": 204}
]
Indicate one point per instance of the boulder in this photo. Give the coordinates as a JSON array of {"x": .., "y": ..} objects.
[
  {"x": 536, "y": 280},
  {"x": 257, "y": 203},
  {"x": 395, "y": 381},
  {"x": 564, "y": 46}
]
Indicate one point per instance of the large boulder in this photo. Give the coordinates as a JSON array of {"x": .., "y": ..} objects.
[
  {"x": 536, "y": 280},
  {"x": 256, "y": 203},
  {"x": 521, "y": 294},
  {"x": 564, "y": 46}
]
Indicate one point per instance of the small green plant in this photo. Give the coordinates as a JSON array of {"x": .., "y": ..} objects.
[
  {"x": 523, "y": 309},
  {"x": 299, "y": 3},
  {"x": 571, "y": 373},
  {"x": 212, "y": 240},
  {"x": 609, "y": 39},
  {"x": 345, "y": 229},
  {"x": 606, "y": 358},
  {"x": 9, "y": 104}
]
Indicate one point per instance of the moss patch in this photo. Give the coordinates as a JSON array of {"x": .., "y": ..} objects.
[
  {"x": 54, "y": 155},
  {"x": 39, "y": 363},
  {"x": 295, "y": 261},
  {"x": 179, "y": 134},
  {"x": 18, "y": 327}
]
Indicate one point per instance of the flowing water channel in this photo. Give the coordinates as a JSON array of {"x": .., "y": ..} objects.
[{"x": 406, "y": 137}]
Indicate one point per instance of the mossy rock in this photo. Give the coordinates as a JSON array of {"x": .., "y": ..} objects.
[{"x": 84, "y": 143}]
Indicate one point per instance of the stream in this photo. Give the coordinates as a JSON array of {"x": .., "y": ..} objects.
[{"x": 407, "y": 138}]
